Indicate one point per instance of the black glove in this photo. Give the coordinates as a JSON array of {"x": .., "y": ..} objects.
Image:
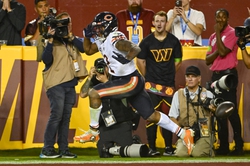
[
  {"x": 120, "y": 58},
  {"x": 241, "y": 42},
  {"x": 88, "y": 31}
]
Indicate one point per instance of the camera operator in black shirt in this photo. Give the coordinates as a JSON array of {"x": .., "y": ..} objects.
[{"x": 115, "y": 125}]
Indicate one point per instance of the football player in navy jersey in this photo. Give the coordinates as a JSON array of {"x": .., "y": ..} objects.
[
  {"x": 118, "y": 54},
  {"x": 159, "y": 59}
]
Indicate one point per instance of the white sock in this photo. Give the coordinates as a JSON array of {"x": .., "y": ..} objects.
[
  {"x": 94, "y": 116},
  {"x": 166, "y": 123}
]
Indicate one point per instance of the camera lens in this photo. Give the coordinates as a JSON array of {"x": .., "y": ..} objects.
[{"x": 100, "y": 69}]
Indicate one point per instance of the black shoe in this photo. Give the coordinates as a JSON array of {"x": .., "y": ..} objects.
[
  {"x": 50, "y": 153},
  {"x": 153, "y": 153},
  {"x": 67, "y": 154},
  {"x": 221, "y": 151},
  {"x": 169, "y": 151},
  {"x": 237, "y": 152}
]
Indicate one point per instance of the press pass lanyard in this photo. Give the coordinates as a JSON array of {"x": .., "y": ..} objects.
[
  {"x": 134, "y": 22},
  {"x": 184, "y": 26}
]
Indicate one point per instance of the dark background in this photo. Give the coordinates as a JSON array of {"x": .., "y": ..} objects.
[{"x": 83, "y": 11}]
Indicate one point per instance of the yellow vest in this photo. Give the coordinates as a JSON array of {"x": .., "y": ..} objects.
[
  {"x": 62, "y": 68},
  {"x": 190, "y": 114}
]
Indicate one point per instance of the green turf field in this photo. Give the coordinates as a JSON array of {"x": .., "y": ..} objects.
[{"x": 90, "y": 155}]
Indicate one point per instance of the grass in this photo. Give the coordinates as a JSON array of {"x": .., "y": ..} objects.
[{"x": 91, "y": 155}]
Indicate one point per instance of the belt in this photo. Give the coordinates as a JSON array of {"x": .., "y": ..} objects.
[{"x": 228, "y": 71}]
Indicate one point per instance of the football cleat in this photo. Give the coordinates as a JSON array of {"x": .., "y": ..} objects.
[
  {"x": 188, "y": 140},
  {"x": 88, "y": 136}
]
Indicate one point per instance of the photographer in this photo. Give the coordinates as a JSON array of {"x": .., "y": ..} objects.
[
  {"x": 64, "y": 67},
  {"x": 245, "y": 55},
  {"x": 115, "y": 123},
  {"x": 188, "y": 110},
  {"x": 243, "y": 40}
]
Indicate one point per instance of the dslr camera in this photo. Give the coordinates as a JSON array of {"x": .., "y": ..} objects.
[
  {"x": 223, "y": 108},
  {"x": 100, "y": 68},
  {"x": 226, "y": 82},
  {"x": 100, "y": 65},
  {"x": 60, "y": 26}
]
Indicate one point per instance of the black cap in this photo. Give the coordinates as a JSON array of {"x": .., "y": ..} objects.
[
  {"x": 99, "y": 61},
  {"x": 193, "y": 70}
]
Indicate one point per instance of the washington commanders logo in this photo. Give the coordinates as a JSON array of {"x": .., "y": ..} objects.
[{"x": 162, "y": 54}]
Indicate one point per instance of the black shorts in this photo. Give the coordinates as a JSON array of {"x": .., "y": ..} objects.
[{"x": 161, "y": 103}]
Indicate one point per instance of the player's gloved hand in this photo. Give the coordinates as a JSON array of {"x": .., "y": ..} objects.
[
  {"x": 241, "y": 42},
  {"x": 120, "y": 58},
  {"x": 88, "y": 31}
]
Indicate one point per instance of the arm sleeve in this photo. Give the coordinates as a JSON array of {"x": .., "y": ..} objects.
[
  {"x": 79, "y": 44},
  {"x": 230, "y": 40},
  {"x": 47, "y": 55},
  {"x": 174, "y": 109},
  {"x": 18, "y": 17},
  {"x": 144, "y": 48},
  {"x": 2, "y": 13},
  {"x": 201, "y": 20}
]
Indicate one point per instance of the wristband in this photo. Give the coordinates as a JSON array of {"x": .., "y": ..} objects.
[{"x": 187, "y": 21}]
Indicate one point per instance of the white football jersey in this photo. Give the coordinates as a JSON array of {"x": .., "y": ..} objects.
[{"x": 107, "y": 48}]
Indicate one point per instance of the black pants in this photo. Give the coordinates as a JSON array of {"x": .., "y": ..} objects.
[
  {"x": 234, "y": 118},
  {"x": 119, "y": 134}
]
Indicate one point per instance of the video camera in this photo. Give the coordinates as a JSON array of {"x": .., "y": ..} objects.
[
  {"x": 60, "y": 26},
  {"x": 242, "y": 31},
  {"x": 134, "y": 150}
]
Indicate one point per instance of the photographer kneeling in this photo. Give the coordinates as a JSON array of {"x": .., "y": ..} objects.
[
  {"x": 115, "y": 125},
  {"x": 188, "y": 110}
]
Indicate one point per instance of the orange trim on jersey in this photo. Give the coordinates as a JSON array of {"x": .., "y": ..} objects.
[
  {"x": 116, "y": 38},
  {"x": 119, "y": 89}
]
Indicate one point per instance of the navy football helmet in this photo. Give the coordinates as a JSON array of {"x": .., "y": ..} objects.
[{"x": 104, "y": 23}]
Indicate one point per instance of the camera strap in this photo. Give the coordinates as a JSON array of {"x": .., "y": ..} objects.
[
  {"x": 198, "y": 103},
  {"x": 70, "y": 53},
  {"x": 184, "y": 26}
]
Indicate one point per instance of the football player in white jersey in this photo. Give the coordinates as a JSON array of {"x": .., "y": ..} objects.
[{"x": 118, "y": 53}]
